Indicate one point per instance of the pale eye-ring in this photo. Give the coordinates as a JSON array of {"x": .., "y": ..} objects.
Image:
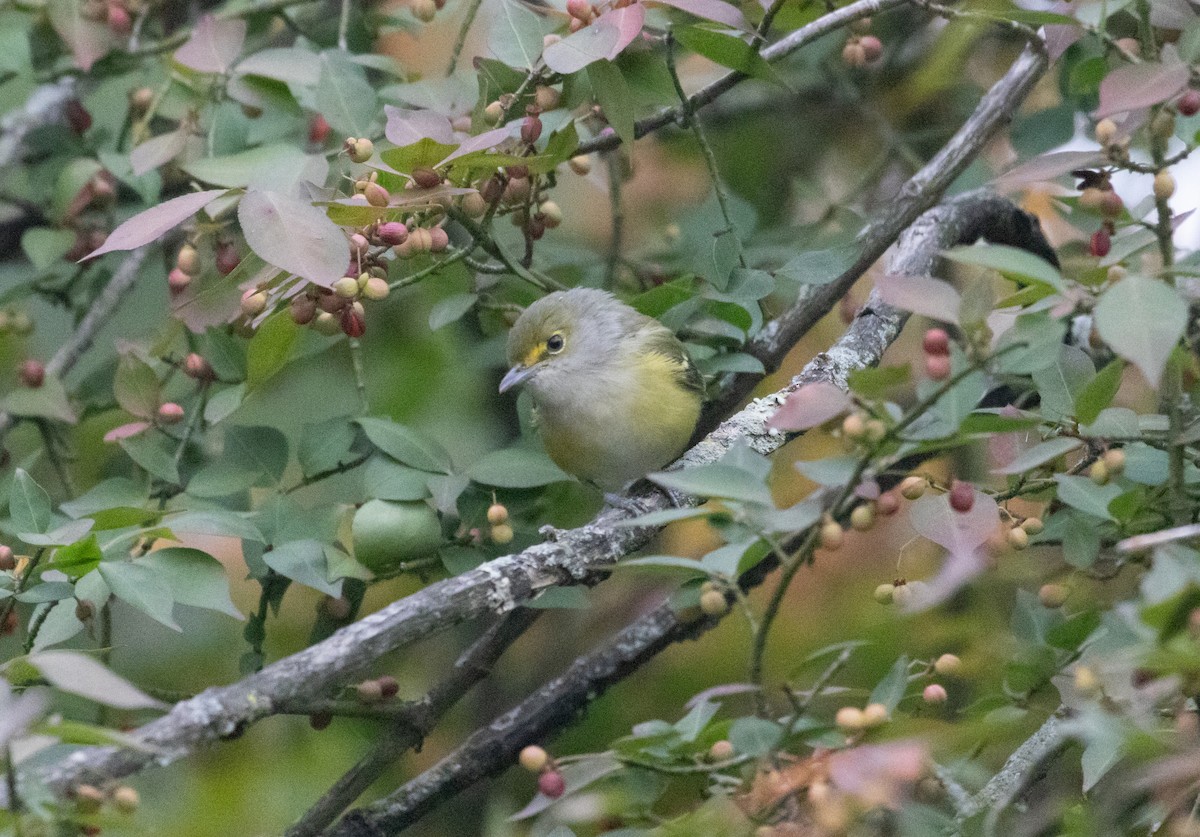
[{"x": 554, "y": 344}]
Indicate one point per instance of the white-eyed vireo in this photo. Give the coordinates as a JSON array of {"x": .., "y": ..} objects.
[{"x": 615, "y": 394}]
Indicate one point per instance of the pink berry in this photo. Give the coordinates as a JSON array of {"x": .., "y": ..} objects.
[
  {"x": 962, "y": 496},
  {"x": 936, "y": 342},
  {"x": 318, "y": 130},
  {"x": 1189, "y": 103},
  {"x": 170, "y": 413},
  {"x": 937, "y": 367},
  {"x": 552, "y": 784},
  {"x": 32, "y": 373},
  {"x": 392, "y": 233},
  {"x": 1101, "y": 243}
]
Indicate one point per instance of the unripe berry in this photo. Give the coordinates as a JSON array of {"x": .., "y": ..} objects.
[
  {"x": 188, "y": 259},
  {"x": 389, "y": 686},
  {"x": 369, "y": 691},
  {"x": 473, "y": 205},
  {"x": 850, "y": 719},
  {"x": 502, "y": 534},
  {"x": 863, "y": 517},
  {"x": 552, "y": 784},
  {"x": 1017, "y": 538},
  {"x": 346, "y": 287},
  {"x": 126, "y": 799},
  {"x": 358, "y": 247},
  {"x": 1099, "y": 472},
  {"x": 376, "y": 288},
  {"x": 936, "y": 342},
  {"x": 1086, "y": 680},
  {"x": 497, "y": 513},
  {"x": 426, "y": 178},
  {"x": 493, "y": 113},
  {"x": 854, "y": 426},
  {"x": 533, "y": 758},
  {"x": 195, "y": 366},
  {"x": 531, "y": 129},
  {"x": 120, "y": 22},
  {"x": 1053, "y": 595},
  {"x": 581, "y": 164},
  {"x": 1114, "y": 458},
  {"x": 581, "y": 9},
  {"x": 88, "y": 799},
  {"x": 170, "y": 413},
  {"x": 934, "y": 693},
  {"x": 303, "y": 308},
  {"x": 872, "y": 47},
  {"x": 546, "y": 98},
  {"x": 1033, "y": 525},
  {"x": 1091, "y": 198},
  {"x": 140, "y": 99},
  {"x": 876, "y": 430},
  {"x": 359, "y": 149},
  {"x": 439, "y": 240},
  {"x": 1164, "y": 185},
  {"x": 424, "y": 10},
  {"x": 254, "y": 302},
  {"x": 1111, "y": 204},
  {"x": 721, "y": 751},
  {"x": 326, "y": 323},
  {"x": 353, "y": 321},
  {"x": 392, "y": 233},
  {"x": 550, "y": 214},
  {"x": 888, "y": 503},
  {"x": 883, "y": 593},
  {"x": 832, "y": 535},
  {"x": 8, "y": 559},
  {"x": 875, "y": 714},
  {"x": 1189, "y": 103},
  {"x": 376, "y": 195},
  {"x": 320, "y": 720},
  {"x": 84, "y": 610},
  {"x": 32, "y": 373},
  {"x": 713, "y": 603},
  {"x": 318, "y": 129},
  {"x": 227, "y": 258},
  {"x": 938, "y": 367},
  {"x": 962, "y": 496},
  {"x": 853, "y": 54},
  {"x": 911, "y": 488},
  {"x": 1106, "y": 131},
  {"x": 1162, "y": 126},
  {"x": 947, "y": 664}
]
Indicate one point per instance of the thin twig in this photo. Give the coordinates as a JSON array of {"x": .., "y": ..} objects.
[{"x": 463, "y": 31}]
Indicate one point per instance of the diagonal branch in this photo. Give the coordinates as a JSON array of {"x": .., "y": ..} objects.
[{"x": 493, "y": 748}]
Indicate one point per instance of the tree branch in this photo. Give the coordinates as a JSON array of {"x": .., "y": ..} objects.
[
  {"x": 1016, "y": 773},
  {"x": 101, "y": 309},
  {"x": 556, "y": 704}
]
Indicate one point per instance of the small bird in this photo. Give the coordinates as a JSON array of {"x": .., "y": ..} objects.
[{"x": 615, "y": 393}]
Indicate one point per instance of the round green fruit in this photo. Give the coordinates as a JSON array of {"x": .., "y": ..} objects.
[{"x": 387, "y": 534}]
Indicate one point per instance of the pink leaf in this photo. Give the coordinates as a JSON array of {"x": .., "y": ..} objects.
[
  {"x": 126, "y": 430},
  {"x": 156, "y": 151},
  {"x": 1047, "y": 167},
  {"x": 711, "y": 10},
  {"x": 925, "y": 295},
  {"x": 959, "y": 532},
  {"x": 605, "y": 38},
  {"x": 294, "y": 235},
  {"x": 811, "y": 405},
  {"x": 89, "y": 40},
  {"x": 214, "y": 46},
  {"x": 877, "y": 770},
  {"x": 404, "y": 127},
  {"x": 482, "y": 142},
  {"x": 1135, "y": 86},
  {"x": 149, "y": 225}
]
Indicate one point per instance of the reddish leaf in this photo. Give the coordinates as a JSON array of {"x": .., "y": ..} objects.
[
  {"x": 404, "y": 127},
  {"x": 124, "y": 431},
  {"x": 89, "y": 40},
  {"x": 879, "y": 770},
  {"x": 156, "y": 151},
  {"x": 925, "y": 295},
  {"x": 711, "y": 10},
  {"x": 1136, "y": 86},
  {"x": 811, "y": 405},
  {"x": 959, "y": 532},
  {"x": 214, "y": 46},
  {"x": 1047, "y": 167},
  {"x": 294, "y": 235},
  {"x": 482, "y": 142},
  {"x": 604, "y": 39},
  {"x": 149, "y": 225}
]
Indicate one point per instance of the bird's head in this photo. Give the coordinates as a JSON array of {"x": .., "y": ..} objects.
[{"x": 562, "y": 334}]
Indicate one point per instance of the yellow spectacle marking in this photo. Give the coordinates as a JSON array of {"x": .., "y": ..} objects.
[{"x": 535, "y": 355}]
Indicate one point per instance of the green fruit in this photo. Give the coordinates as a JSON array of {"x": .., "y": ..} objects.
[{"x": 387, "y": 534}]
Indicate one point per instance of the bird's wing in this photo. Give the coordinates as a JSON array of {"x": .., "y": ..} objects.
[{"x": 661, "y": 340}]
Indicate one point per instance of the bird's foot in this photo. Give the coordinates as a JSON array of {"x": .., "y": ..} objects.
[{"x": 626, "y": 504}]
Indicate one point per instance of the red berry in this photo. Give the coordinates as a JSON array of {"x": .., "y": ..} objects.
[
  {"x": 531, "y": 129},
  {"x": 8, "y": 560},
  {"x": 1189, "y": 103},
  {"x": 32, "y": 374},
  {"x": 936, "y": 342},
  {"x": 120, "y": 21},
  {"x": 318, "y": 130},
  {"x": 426, "y": 178},
  {"x": 77, "y": 116},
  {"x": 354, "y": 324},
  {"x": 552, "y": 784},
  {"x": 389, "y": 686},
  {"x": 1100, "y": 244},
  {"x": 872, "y": 47},
  {"x": 227, "y": 258},
  {"x": 170, "y": 413},
  {"x": 195, "y": 366},
  {"x": 392, "y": 233},
  {"x": 1111, "y": 204},
  {"x": 177, "y": 280},
  {"x": 962, "y": 496}
]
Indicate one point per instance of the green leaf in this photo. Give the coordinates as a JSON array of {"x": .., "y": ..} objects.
[
  {"x": 262, "y": 449},
  {"x": 270, "y": 349},
  {"x": 47, "y": 401},
  {"x": 326, "y": 445},
  {"x": 386, "y": 479},
  {"x": 890, "y": 690},
  {"x": 1142, "y": 320},
  {"x": 406, "y": 445},
  {"x": 194, "y": 578},
  {"x": 1040, "y": 454},
  {"x": 1099, "y": 392},
  {"x": 716, "y": 479},
  {"x": 28, "y": 504},
  {"x": 667, "y": 562},
  {"x": 82, "y": 675},
  {"x": 421, "y": 154},
  {"x": 726, "y": 50},
  {"x": 44, "y": 246},
  {"x": 225, "y": 524},
  {"x": 819, "y": 267},
  {"x": 305, "y": 562},
  {"x": 77, "y": 559},
  {"x": 148, "y": 452},
  {"x": 344, "y": 96},
  {"x": 1070, "y": 634},
  {"x": 1012, "y": 263},
  {"x": 516, "y": 35},
  {"x": 1061, "y": 382},
  {"x": 139, "y": 586},
  {"x": 519, "y": 467},
  {"x": 1038, "y": 335},
  {"x": 614, "y": 98},
  {"x": 136, "y": 387},
  {"x": 693, "y": 723},
  {"x": 877, "y": 382},
  {"x": 1083, "y": 494},
  {"x": 751, "y": 736},
  {"x": 451, "y": 309}
]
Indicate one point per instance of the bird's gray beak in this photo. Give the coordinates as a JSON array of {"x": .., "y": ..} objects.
[{"x": 517, "y": 376}]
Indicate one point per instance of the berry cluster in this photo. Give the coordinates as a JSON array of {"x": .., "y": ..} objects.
[
  {"x": 550, "y": 780},
  {"x": 862, "y": 48}
]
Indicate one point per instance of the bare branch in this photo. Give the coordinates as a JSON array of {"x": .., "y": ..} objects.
[
  {"x": 556, "y": 704},
  {"x": 1017, "y": 771},
  {"x": 102, "y": 308}
]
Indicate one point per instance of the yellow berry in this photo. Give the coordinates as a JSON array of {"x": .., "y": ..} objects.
[
  {"x": 497, "y": 513},
  {"x": 832, "y": 535},
  {"x": 1114, "y": 460},
  {"x": 1164, "y": 185},
  {"x": 854, "y": 426},
  {"x": 1018, "y": 538},
  {"x": 863, "y": 517},
  {"x": 1106, "y": 131},
  {"x": 533, "y": 758},
  {"x": 850, "y": 719},
  {"x": 913, "y": 487},
  {"x": 714, "y": 603},
  {"x": 876, "y": 714},
  {"x": 581, "y": 164},
  {"x": 947, "y": 664},
  {"x": 1053, "y": 595},
  {"x": 1099, "y": 472},
  {"x": 883, "y": 593},
  {"x": 720, "y": 751},
  {"x": 502, "y": 534},
  {"x": 1033, "y": 525}
]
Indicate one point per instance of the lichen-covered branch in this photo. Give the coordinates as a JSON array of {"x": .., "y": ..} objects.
[
  {"x": 1017, "y": 771},
  {"x": 493, "y": 748}
]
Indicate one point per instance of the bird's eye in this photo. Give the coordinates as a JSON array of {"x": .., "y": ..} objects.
[{"x": 555, "y": 343}]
